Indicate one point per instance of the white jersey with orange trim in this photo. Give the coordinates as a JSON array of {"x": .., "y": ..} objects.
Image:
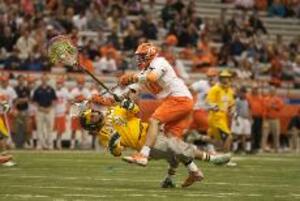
[
  {"x": 9, "y": 93},
  {"x": 168, "y": 83},
  {"x": 201, "y": 88},
  {"x": 62, "y": 95},
  {"x": 83, "y": 92}
]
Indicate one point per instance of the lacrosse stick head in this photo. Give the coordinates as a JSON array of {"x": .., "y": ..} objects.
[{"x": 61, "y": 49}]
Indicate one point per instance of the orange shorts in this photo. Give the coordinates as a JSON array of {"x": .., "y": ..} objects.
[
  {"x": 175, "y": 113},
  {"x": 200, "y": 120},
  {"x": 75, "y": 124},
  {"x": 60, "y": 124}
]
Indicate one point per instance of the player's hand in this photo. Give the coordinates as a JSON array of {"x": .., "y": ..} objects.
[
  {"x": 127, "y": 79},
  {"x": 113, "y": 144},
  {"x": 127, "y": 104},
  {"x": 4, "y": 107},
  {"x": 214, "y": 108}
]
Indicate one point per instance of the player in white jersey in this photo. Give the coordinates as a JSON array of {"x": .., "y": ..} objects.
[
  {"x": 78, "y": 94},
  {"x": 159, "y": 78},
  {"x": 201, "y": 88},
  {"x": 61, "y": 105}
]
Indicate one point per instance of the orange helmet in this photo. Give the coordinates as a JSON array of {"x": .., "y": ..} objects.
[
  {"x": 145, "y": 54},
  {"x": 211, "y": 72}
]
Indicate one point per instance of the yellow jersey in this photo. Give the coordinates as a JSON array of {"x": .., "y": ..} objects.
[
  {"x": 221, "y": 97},
  {"x": 125, "y": 125}
]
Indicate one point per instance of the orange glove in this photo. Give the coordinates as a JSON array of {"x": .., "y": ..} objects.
[
  {"x": 127, "y": 79},
  {"x": 100, "y": 100},
  {"x": 79, "y": 98}
]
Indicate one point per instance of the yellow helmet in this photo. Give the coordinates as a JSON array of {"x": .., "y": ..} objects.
[
  {"x": 89, "y": 122},
  {"x": 225, "y": 73}
]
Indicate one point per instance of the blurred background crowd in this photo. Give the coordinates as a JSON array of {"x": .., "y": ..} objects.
[{"x": 108, "y": 31}]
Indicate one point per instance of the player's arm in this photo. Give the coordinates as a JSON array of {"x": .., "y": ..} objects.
[
  {"x": 130, "y": 106},
  {"x": 211, "y": 99},
  {"x": 111, "y": 140}
]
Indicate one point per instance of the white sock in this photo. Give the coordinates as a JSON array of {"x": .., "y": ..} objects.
[
  {"x": 145, "y": 151},
  {"x": 248, "y": 146},
  {"x": 235, "y": 146},
  {"x": 192, "y": 167}
]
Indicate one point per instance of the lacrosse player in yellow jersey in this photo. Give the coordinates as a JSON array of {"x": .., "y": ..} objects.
[
  {"x": 120, "y": 127},
  {"x": 220, "y": 99},
  {"x": 5, "y": 159}
]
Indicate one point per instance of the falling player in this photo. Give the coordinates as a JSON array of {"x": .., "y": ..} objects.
[{"x": 122, "y": 128}]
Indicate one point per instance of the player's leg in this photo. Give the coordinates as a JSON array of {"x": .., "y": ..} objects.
[
  {"x": 172, "y": 110},
  {"x": 265, "y": 135},
  {"x": 275, "y": 129},
  {"x": 168, "y": 181},
  {"x": 74, "y": 128},
  {"x": 40, "y": 132}
]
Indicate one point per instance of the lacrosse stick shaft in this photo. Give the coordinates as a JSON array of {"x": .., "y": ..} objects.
[{"x": 116, "y": 97}]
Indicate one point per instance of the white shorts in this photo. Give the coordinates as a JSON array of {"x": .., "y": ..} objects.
[{"x": 241, "y": 126}]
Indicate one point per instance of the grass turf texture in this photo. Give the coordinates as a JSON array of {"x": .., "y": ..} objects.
[{"x": 78, "y": 176}]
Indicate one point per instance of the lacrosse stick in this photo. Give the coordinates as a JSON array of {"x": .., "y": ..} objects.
[{"x": 62, "y": 50}]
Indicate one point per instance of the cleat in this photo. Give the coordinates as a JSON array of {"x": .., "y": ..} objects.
[
  {"x": 5, "y": 158},
  {"x": 167, "y": 183},
  {"x": 192, "y": 178},
  {"x": 138, "y": 159},
  {"x": 9, "y": 164},
  {"x": 231, "y": 164},
  {"x": 220, "y": 159}
]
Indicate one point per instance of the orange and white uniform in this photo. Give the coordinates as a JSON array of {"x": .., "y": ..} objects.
[
  {"x": 62, "y": 95},
  {"x": 78, "y": 95},
  {"x": 200, "y": 115},
  {"x": 177, "y": 102}
]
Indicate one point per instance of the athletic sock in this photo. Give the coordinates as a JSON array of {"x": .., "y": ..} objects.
[
  {"x": 191, "y": 166},
  {"x": 235, "y": 145},
  {"x": 206, "y": 156},
  {"x": 145, "y": 151},
  {"x": 248, "y": 145}
]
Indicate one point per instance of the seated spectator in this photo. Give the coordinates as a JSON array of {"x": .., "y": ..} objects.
[
  {"x": 149, "y": 28},
  {"x": 245, "y": 4},
  {"x": 236, "y": 46},
  {"x": 277, "y": 9},
  {"x": 7, "y": 39},
  {"x": 109, "y": 48},
  {"x": 25, "y": 45},
  {"x": 135, "y": 7},
  {"x": 187, "y": 52},
  {"x": 256, "y": 24},
  {"x": 95, "y": 20},
  {"x": 261, "y": 4},
  {"x": 168, "y": 13},
  {"x": 131, "y": 37},
  {"x": 106, "y": 64},
  {"x": 188, "y": 36},
  {"x": 114, "y": 38},
  {"x": 85, "y": 61}
]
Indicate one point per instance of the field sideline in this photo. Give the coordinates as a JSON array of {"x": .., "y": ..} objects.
[{"x": 80, "y": 176}]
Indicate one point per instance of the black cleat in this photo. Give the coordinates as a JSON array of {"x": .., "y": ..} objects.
[{"x": 167, "y": 183}]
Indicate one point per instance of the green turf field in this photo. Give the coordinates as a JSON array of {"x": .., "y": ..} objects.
[{"x": 78, "y": 176}]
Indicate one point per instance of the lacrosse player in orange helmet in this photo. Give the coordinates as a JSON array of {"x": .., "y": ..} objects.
[{"x": 158, "y": 77}]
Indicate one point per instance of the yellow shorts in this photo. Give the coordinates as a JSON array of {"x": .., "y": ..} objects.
[
  {"x": 3, "y": 129},
  {"x": 218, "y": 125}
]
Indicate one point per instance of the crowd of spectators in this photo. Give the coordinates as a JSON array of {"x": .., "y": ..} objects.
[
  {"x": 108, "y": 31},
  {"x": 280, "y": 8}
]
